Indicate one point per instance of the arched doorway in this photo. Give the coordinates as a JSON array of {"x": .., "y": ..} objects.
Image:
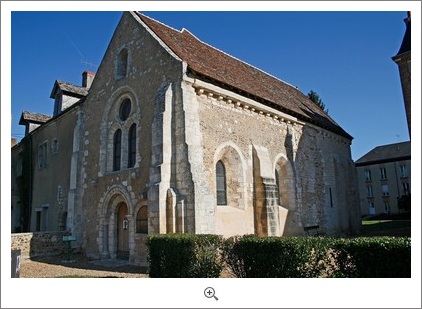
[{"x": 122, "y": 225}]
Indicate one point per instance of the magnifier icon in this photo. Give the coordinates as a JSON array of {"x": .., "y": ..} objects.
[{"x": 210, "y": 293}]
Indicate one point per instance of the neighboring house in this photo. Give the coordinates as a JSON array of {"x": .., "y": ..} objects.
[
  {"x": 42, "y": 179},
  {"x": 21, "y": 173},
  {"x": 384, "y": 172},
  {"x": 383, "y": 177},
  {"x": 403, "y": 60},
  {"x": 175, "y": 136}
]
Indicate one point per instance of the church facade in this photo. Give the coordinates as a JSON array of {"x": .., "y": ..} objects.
[{"x": 174, "y": 136}]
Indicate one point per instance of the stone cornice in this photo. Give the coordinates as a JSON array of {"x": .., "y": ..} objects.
[
  {"x": 228, "y": 97},
  {"x": 242, "y": 103}
]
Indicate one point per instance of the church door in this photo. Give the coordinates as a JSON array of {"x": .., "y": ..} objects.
[{"x": 122, "y": 232}]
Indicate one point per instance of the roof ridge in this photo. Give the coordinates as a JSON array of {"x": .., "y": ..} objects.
[
  {"x": 185, "y": 30},
  {"x": 392, "y": 144},
  {"x": 387, "y": 151},
  {"x": 145, "y": 21},
  {"x": 240, "y": 60},
  {"x": 211, "y": 62},
  {"x": 159, "y": 22},
  {"x": 36, "y": 113},
  {"x": 68, "y": 83}
]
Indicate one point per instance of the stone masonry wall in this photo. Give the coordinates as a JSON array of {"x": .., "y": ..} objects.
[
  {"x": 233, "y": 126},
  {"x": 148, "y": 83},
  {"x": 39, "y": 243}
]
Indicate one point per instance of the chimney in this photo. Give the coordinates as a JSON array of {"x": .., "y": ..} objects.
[{"x": 87, "y": 78}]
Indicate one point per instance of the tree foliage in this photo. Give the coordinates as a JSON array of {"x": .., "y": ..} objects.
[{"x": 317, "y": 100}]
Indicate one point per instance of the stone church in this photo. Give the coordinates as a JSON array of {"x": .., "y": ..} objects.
[{"x": 171, "y": 135}]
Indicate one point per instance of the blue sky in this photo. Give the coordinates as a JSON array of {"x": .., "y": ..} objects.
[{"x": 344, "y": 56}]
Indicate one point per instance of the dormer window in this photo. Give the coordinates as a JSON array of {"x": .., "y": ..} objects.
[
  {"x": 58, "y": 103},
  {"x": 122, "y": 61}
]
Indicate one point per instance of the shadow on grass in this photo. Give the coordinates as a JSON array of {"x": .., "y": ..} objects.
[{"x": 397, "y": 228}]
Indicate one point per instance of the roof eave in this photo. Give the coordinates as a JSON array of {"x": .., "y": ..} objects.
[
  {"x": 54, "y": 90},
  {"x": 339, "y": 131},
  {"x": 380, "y": 161}
]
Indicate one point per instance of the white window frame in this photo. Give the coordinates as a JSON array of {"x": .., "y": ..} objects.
[
  {"x": 406, "y": 188},
  {"x": 403, "y": 171},
  {"x": 383, "y": 173},
  {"x": 369, "y": 191},
  {"x": 385, "y": 190},
  {"x": 368, "y": 176},
  {"x": 386, "y": 207}
]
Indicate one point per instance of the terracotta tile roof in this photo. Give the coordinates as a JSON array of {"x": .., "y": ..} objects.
[
  {"x": 386, "y": 153},
  {"x": 210, "y": 63},
  {"x": 33, "y": 118}
]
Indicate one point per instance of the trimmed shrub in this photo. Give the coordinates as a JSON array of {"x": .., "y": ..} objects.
[
  {"x": 184, "y": 256},
  {"x": 271, "y": 257},
  {"x": 317, "y": 257},
  {"x": 378, "y": 257},
  {"x": 249, "y": 256}
]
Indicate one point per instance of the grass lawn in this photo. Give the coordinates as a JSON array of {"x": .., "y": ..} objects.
[{"x": 386, "y": 227}]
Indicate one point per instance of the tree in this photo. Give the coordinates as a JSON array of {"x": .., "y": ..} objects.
[{"x": 317, "y": 100}]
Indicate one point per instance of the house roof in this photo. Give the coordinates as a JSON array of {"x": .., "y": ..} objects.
[
  {"x": 386, "y": 153},
  {"x": 28, "y": 117},
  {"x": 77, "y": 91},
  {"x": 209, "y": 63}
]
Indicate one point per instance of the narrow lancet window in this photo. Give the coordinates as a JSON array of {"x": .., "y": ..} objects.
[
  {"x": 117, "y": 149},
  {"x": 221, "y": 184},
  {"x": 121, "y": 70},
  {"x": 132, "y": 146}
]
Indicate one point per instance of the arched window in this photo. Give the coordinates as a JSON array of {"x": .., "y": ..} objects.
[
  {"x": 121, "y": 70},
  {"x": 131, "y": 154},
  {"x": 124, "y": 110},
  {"x": 221, "y": 184},
  {"x": 142, "y": 220},
  {"x": 117, "y": 150}
]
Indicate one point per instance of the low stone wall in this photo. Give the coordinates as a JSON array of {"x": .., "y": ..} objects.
[{"x": 39, "y": 243}]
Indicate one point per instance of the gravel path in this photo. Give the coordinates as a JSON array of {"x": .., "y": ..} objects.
[{"x": 79, "y": 266}]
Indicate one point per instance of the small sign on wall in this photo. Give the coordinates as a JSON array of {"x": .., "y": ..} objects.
[{"x": 69, "y": 238}]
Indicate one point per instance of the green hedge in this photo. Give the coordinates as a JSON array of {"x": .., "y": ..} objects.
[
  {"x": 273, "y": 257},
  {"x": 204, "y": 256},
  {"x": 318, "y": 257},
  {"x": 379, "y": 257},
  {"x": 184, "y": 256}
]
